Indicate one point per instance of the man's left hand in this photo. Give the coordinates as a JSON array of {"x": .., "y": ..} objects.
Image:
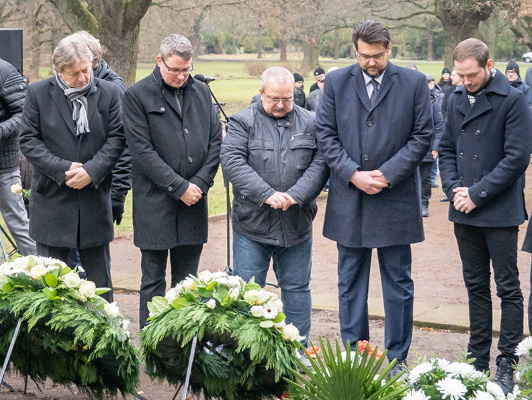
[
  {"x": 379, "y": 177},
  {"x": 462, "y": 201},
  {"x": 77, "y": 178}
]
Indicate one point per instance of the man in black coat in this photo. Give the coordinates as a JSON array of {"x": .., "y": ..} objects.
[
  {"x": 484, "y": 151},
  {"x": 174, "y": 135},
  {"x": 374, "y": 126}
]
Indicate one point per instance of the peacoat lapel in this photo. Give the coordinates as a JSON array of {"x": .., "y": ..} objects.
[
  {"x": 360, "y": 86},
  {"x": 61, "y": 102}
]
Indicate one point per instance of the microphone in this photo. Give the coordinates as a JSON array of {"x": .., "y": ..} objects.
[{"x": 204, "y": 79}]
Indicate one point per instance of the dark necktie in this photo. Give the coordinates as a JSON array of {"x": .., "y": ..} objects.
[{"x": 375, "y": 91}]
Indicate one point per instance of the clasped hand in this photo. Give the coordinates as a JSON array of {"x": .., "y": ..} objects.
[
  {"x": 370, "y": 182},
  {"x": 461, "y": 200},
  {"x": 76, "y": 177},
  {"x": 192, "y": 195},
  {"x": 280, "y": 200}
]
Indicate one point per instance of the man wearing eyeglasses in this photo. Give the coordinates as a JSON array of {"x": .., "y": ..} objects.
[
  {"x": 374, "y": 126},
  {"x": 174, "y": 135},
  {"x": 270, "y": 156}
]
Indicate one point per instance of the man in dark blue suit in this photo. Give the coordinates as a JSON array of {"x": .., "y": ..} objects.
[{"x": 374, "y": 126}]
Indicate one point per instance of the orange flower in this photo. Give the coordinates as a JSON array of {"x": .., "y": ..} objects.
[
  {"x": 285, "y": 395},
  {"x": 363, "y": 344},
  {"x": 313, "y": 351}
]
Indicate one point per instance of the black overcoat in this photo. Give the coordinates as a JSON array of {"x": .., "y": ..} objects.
[
  {"x": 169, "y": 151},
  {"x": 486, "y": 148},
  {"x": 393, "y": 136},
  {"x": 48, "y": 140}
]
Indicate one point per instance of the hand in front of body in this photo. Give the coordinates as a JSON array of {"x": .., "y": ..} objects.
[
  {"x": 192, "y": 195},
  {"x": 462, "y": 201},
  {"x": 370, "y": 182},
  {"x": 76, "y": 177},
  {"x": 280, "y": 200},
  {"x": 434, "y": 154}
]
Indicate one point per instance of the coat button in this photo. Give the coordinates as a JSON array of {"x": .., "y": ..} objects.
[
  {"x": 186, "y": 131},
  {"x": 162, "y": 109},
  {"x": 366, "y": 158},
  {"x": 170, "y": 188},
  {"x": 475, "y": 157},
  {"x": 242, "y": 196},
  {"x": 461, "y": 179},
  {"x": 461, "y": 154},
  {"x": 370, "y": 123},
  {"x": 474, "y": 181},
  {"x": 477, "y": 133},
  {"x": 462, "y": 132},
  {"x": 483, "y": 193},
  {"x": 190, "y": 159}
]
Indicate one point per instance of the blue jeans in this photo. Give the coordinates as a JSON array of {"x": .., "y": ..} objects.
[{"x": 292, "y": 267}]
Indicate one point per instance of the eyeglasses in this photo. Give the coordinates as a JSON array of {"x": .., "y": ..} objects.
[
  {"x": 376, "y": 57},
  {"x": 178, "y": 71},
  {"x": 285, "y": 101}
]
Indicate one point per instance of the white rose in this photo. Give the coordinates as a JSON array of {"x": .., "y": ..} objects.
[
  {"x": 38, "y": 271},
  {"x": 257, "y": 311},
  {"x": 189, "y": 284},
  {"x": 233, "y": 293},
  {"x": 251, "y": 296},
  {"x": 263, "y": 296},
  {"x": 111, "y": 309},
  {"x": 205, "y": 277},
  {"x": 280, "y": 325},
  {"x": 16, "y": 188},
  {"x": 290, "y": 332},
  {"x": 172, "y": 294},
  {"x": 87, "y": 290},
  {"x": 211, "y": 304},
  {"x": 72, "y": 279}
]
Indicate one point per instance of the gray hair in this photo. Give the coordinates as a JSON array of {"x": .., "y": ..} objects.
[
  {"x": 70, "y": 51},
  {"x": 176, "y": 45},
  {"x": 278, "y": 74},
  {"x": 93, "y": 44}
]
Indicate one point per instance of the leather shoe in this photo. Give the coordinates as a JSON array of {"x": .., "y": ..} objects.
[
  {"x": 425, "y": 211},
  {"x": 444, "y": 199},
  {"x": 399, "y": 367},
  {"x": 505, "y": 375}
]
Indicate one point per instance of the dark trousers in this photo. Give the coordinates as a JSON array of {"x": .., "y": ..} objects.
[
  {"x": 426, "y": 182},
  {"x": 395, "y": 263},
  {"x": 477, "y": 246},
  {"x": 184, "y": 261},
  {"x": 96, "y": 262}
]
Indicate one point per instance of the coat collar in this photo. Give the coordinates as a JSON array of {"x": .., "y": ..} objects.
[
  {"x": 65, "y": 109},
  {"x": 360, "y": 88},
  {"x": 166, "y": 90},
  {"x": 499, "y": 85}
]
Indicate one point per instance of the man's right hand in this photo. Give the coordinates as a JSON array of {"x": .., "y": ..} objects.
[
  {"x": 280, "y": 200},
  {"x": 192, "y": 195},
  {"x": 364, "y": 180}
]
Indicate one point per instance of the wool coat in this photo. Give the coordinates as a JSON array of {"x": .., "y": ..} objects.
[
  {"x": 392, "y": 136},
  {"x": 48, "y": 140},
  {"x": 169, "y": 150},
  {"x": 486, "y": 147}
]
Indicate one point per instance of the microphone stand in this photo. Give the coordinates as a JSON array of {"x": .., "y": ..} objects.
[{"x": 228, "y": 267}]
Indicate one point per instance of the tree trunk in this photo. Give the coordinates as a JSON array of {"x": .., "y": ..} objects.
[
  {"x": 283, "y": 47},
  {"x": 430, "y": 51},
  {"x": 195, "y": 38},
  {"x": 336, "y": 55},
  {"x": 310, "y": 54},
  {"x": 260, "y": 42}
]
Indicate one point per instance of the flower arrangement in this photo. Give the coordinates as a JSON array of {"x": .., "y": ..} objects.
[
  {"x": 346, "y": 375},
  {"x": 17, "y": 189},
  {"x": 524, "y": 370},
  {"x": 440, "y": 379},
  {"x": 71, "y": 335},
  {"x": 245, "y": 348}
]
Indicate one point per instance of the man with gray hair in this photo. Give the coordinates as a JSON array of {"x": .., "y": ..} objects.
[
  {"x": 174, "y": 135},
  {"x": 270, "y": 156}
]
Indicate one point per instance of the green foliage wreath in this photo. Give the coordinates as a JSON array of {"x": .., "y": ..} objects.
[
  {"x": 245, "y": 349},
  {"x": 69, "y": 334}
]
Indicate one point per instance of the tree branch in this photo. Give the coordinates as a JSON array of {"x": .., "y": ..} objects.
[{"x": 75, "y": 15}]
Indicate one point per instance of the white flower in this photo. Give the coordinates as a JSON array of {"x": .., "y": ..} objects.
[
  {"x": 290, "y": 332},
  {"x": 189, "y": 284},
  {"x": 111, "y": 309},
  {"x": 479, "y": 395},
  {"x": 125, "y": 323},
  {"x": 38, "y": 271},
  {"x": 16, "y": 188},
  {"x": 279, "y": 304},
  {"x": 495, "y": 390},
  {"x": 71, "y": 280},
  {"x": 233, "y": 293},
  {"x": 270, "y": 311},
  {"x": 421, "y": 369},
  {"x": 251, "y": 296},
  {"x": 173, "y": 294},
  {"x": 513, "y": 395},
  {"x": 280, "y": 325},
  {"x": 235, "y": 281},
  {"x": 205, "y": 277},
  {"x": 211, "y": 304},
  {"x": 416, "y": 395},
  {"x": 87, "y": 290},
  {"x": 264, "y": 296},
  {"x": 257, "y": 311},
  {"x": 352, "y": 355},
  {"x": 451, "y": 388},
  {"x": 462, "y": 370},
  {"x": 524, "y": 347},
  {"x": 266, "y": 324},
  {"x": 441, "y": 363},
  {"x": 222, "y": 280}
]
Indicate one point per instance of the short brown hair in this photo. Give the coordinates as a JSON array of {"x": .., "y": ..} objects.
[
  {"x": 472, "y": 48},
  {"x": 371, "y": 32}
]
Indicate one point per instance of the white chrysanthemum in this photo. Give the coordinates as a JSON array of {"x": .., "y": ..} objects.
[
  {"x": 189, "y": 284},
  {"x": 290, "y": 332},
  {"x": 38, "y": 271},
  {"x": 451, "y": 388},
  {"x": 495, "y": 390},
  {"x": 234, "y": 293},
  {"x": 421, "y": 369},
  {"x": 173, "y": 294},
  {"x": 479, "y": 395},
  {"x": 111, "y": 309},
  {"x": 270, "y": 311},
  {"x": 461, "y": 369},
  {"x": 441, "y": 363},
  {"x": 235, "y": 281},
  {"x": 416, "y": 395},
  {"x": 351, "y": 356},
  {"x": 211, "y": 304},
  {"x": 257, "y": 311},
  {"x": 524, "y": 347},
  {"x": 205, "y": 277},
  {"x": 71, "y": 280},
  {"x": 87, "y": 290}
]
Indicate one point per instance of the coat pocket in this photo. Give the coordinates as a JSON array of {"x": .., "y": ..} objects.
[
  {"x": 252, "y": 218},
  {"x": 303, "y": 145},
  {"x": 261, "y": 156}
]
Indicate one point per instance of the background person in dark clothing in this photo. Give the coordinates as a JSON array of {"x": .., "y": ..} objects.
[
  {"x": 319, "y": 75},
  {"x": 299, "y": 90},
  {"x": 445, "y": 84},
  {"x": 174, "y": 134},
  {"x": 512, "y": 73}
]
